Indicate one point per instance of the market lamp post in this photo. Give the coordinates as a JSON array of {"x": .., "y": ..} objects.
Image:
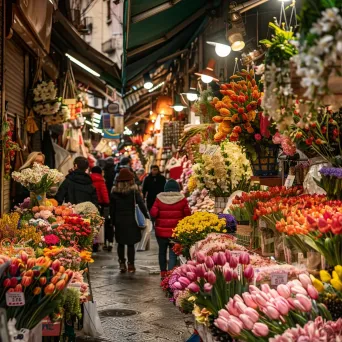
[{"x": 208, "y": 75}]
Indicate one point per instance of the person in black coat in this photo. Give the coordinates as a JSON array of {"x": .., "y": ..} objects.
[
  {"x": 77, "y": 186},
  {"x": 153, "y": 185},
  {"x": 122, "y": 211}
]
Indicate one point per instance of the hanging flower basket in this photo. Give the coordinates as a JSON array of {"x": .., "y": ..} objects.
[{"x": 266, "y": 163}]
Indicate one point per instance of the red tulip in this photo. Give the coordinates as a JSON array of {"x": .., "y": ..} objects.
[
  {"x": 13, "y": 269},
  {"x": 7, "y": 282},
  {"x": 14, "y": 282},
  {"x": 54, "y": 280},
  {"x": 228, "y": 276},
  {"x": 56, "y": 265}
]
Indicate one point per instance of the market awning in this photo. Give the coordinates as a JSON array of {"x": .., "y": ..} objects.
[
  {"x": 67, "y": 38},
  {"x": 157, "y": 28}
]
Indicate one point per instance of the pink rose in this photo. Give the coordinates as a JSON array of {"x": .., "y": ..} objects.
[{"x": 257, "y": 137}]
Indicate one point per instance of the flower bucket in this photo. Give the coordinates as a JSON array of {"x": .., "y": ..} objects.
[
  {"x": 267, "y": 242},
  {"x": 37, "y": 199},
  {"x": 243, "y": 234},
  {"x": 266, "y": 163},
  {"x": 220, "y": 204}
]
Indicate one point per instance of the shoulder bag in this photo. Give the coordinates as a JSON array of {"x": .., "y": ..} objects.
[{"x": 139, "y": 216}]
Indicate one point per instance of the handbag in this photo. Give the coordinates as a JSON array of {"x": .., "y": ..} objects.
[{"x": 139, "y": 216}]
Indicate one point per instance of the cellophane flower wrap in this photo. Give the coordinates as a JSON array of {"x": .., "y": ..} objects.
[
  {"x": 38, "y": 179},
  {"x": 224, "y": 172}
]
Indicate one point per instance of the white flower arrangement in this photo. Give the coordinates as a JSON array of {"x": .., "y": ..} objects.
[
  {"x": 39, "y": 178},
  {"x": 45, "y": 99},
  {"x": 321, "y": 57},
  {"x": 86, "y": 208},
  {"x": 224, "y": 172}
]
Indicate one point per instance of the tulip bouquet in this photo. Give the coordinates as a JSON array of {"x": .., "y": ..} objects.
[
  {"x": 196, "y": 227},
  {"x": 41, "y": 281},
  {"x": 261, "y": 314},
  {"x": 213, "y": 280},
  {"x": 69, "y": 257}
]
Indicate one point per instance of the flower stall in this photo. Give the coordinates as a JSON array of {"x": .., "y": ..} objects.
[{"x": 45, "y": 250}]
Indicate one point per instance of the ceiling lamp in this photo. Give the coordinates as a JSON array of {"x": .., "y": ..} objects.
[
  {"x": 222, "y": 48},
  {"x": 235, "y": 39},
  {"x": 148, "y": 81},
  {"x": 192, "y": 94},
  {"x": 238, "y": 30},
  {"x": 178, "y": 106},
  {"x": 208, "y": 74}
]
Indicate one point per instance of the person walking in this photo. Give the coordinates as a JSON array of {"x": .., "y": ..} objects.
[
  {"x": 153, "y": 185},
  {"x": 77, "y": 186},
  {"x": 126, "y": 163},
  {"x": 124, "y": 196},
  {"x": 168, "y": 209}
]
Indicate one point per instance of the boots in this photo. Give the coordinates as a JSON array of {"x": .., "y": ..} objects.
[
  {"x": 131, "y": 268},
  {"x": 123, "y": 267},
  {"x": 110, "y": 247}
]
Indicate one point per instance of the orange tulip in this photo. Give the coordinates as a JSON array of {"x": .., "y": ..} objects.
[
  {"x": 18, "y": 288},
  {"x": 37, "y": 291},
  {"x": 49, "y": 289},
  {"x": 60, "y": 285},
  {"x": 224, "y": 112},
  {"x": 217, "y": 119},
  {"x": 42, "y": 281},
  {"x": 54, "y": 280},
  {"x": 29, "y": 273},
  {"x": 31, "y": 262},
  {"x": 26, "y": 281}
]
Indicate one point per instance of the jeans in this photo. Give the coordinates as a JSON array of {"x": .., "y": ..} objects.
[
  {"x": 130, "y": 253},
  {"x": 165, "y": 243}
]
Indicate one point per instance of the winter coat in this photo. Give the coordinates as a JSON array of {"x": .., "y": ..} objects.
[
  {"x": 109, "y": 175},
  {"x": 77, "y": 188},
  {"x": 153, "y": 185},
  {"x": 122, "y": 212},
  {"x": 101, "y": 189},
  {"x": 168, "y": 209}
]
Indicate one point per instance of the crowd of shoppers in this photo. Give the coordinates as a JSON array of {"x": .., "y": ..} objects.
[{"x": 117, "y": 190}]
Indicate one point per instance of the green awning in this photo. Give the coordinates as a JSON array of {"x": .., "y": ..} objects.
[{"x": 155, "y": 29}]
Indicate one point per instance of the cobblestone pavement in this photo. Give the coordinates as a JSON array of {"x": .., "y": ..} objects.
[{"x": 152, "y": 317}]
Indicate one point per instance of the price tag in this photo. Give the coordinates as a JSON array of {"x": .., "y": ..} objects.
[
  {"x": 15, "y": 299},
  {"x": 202, "y": 148},
  {"x": 278, "y": 278},
  {"x": 211, "y": 150},
  {"x": 289, "y": 181}
]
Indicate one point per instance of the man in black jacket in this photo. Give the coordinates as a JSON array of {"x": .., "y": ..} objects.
[
  {"x": 77, "y": 186},
  {"x": 153, "y": 185}
]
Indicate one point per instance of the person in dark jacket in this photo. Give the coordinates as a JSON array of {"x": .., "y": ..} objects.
[
  {"x": 126, "y": 163},
  {"x": 122, "y": 211},
  {"x": 153, "y": 185},
  {"x": 77, "y": 186},
  {"x": 169, "y": 208}
]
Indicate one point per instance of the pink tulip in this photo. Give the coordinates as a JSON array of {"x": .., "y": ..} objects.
[
  {"x": 260, "y": 300},
  {"x": 305, "y": 280},
  {"x": 23, "y": 256},
  {"x": 282, "y": 306},
  {"x": 253, "y": 288},
  {"x": 211, "y": 277},
  {"x": 241, "y": 307},
  {"x": 228, "y": 255},
  {"x": 284, "y": 291},
  {"x": 231, "y": 308},
  {"x": 246, "y": 321},
  {"x": 209, "y": 262},
  {"x": 193, "y": 287},
  {"x": 233, "y": 328},
  {"x": 296, "y": 282},
  {"x": 233, "y": 262},
  {"x": 214, "y": 257},
  {"x": 178, "y": 285},
  {"x": 305, "y": 301},
  {"x": 222, "y": 324},
  {"x": 184, "y": 281},
  {"x": 274, "y": 293},
  {"x": 272, "y": 313},
  {"x": 290, "y": 301},
  {"x": 237, "y": 321},
  {"x": 224, "y": 313},
  {"x": 200, "y": 270},
  {"x": 313, "y": 293},
  {"x": 298, "y": 289},
  {"x": 191, "y": 268},
  {"x": 228, "y": 276},
  {"x": 249, "y": 273},
  {"x": 235, "y": 275},
  {"x": 237, "y": 298},
  {"x": 191, "y": 276},
  {"x": 298, "y": 305},
  {"x": 252, "y": 314},
  {"x": 207, "y": 287},
  {"x": 265, "y": 288},
  {"x": 249, "y": 300},
  {"x": 260, "y": 330},
  {"x": 200, "y": 257},
  {"x": 244, "y": 258},
  {"x": 221, "y": 259},
  {"x": 191, "y": 263}
]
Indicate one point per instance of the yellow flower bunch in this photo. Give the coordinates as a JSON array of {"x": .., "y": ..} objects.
[
  {"x": 197, "y": 226},
  {"x": 201, "y": 316},
  {"x": 30, "y": 235},
  {"x": 192, "y": 184},
  {"x": 9, "y": 225},
  {"x": 335, "y": 279},
  {"x": 86, "y": 256}
]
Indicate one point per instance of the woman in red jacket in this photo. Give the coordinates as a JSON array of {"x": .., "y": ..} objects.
[
  {"x": 168, "y": 209},
  {"x": 100, "y": 186}
]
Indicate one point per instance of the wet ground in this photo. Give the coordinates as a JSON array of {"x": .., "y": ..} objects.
[{"x": 133, "y": 307}]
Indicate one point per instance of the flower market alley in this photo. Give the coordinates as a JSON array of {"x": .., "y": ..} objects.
[{"x": 134, "y": 307}]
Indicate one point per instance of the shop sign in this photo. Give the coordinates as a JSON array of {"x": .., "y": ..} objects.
[{"x": 15, "y": 299}]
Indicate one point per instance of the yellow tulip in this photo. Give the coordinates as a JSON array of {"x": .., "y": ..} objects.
[
  {"x": 338, "y": 270},
  {"x": 337, "y": 284},
  {"x": 325, "y": 276},
  {"x": 317, "y": 284},
  {"x": 335, "y": 275}
]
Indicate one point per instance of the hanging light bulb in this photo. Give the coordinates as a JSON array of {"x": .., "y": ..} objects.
[
  {"x": 192, "y": 94},
  {"x": 178, "y": 106},
  {"x": 208, "y": 75},
  {"x": 147, "y": 81},
  {"x": 222, "y": 48}
]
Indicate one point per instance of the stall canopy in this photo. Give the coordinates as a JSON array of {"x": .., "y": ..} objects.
[{"x": 155, "y": 29}]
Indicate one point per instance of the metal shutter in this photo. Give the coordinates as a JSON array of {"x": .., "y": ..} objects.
[{"x": 14, "y": 95}]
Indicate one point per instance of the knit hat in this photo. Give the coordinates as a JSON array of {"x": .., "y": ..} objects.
[
  {"x": 125, "y": 175},
  {"x": 96, "y": 169},
  {"x": 171, "y": 186}
]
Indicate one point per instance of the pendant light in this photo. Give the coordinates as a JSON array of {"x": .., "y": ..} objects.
[
  {"x": 147, "y": 81},
  {"x": 208, "y": 75},
  {"x": 222, "y": 48},
  {"x": 178, "y": 106},
  {"x": 192, "y": 94}
]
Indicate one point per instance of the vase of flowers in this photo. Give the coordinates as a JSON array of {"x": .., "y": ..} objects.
[{"x": 37, "y": 198}]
